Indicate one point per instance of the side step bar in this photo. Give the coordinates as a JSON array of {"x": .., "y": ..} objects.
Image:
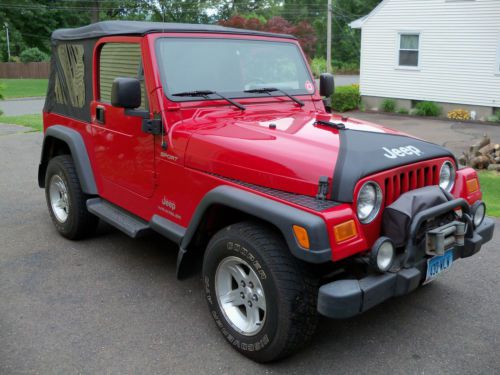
[{"x": 128, "y": 223}]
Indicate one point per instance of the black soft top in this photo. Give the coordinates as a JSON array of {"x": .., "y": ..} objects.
[{"x": 110, "y": 28}]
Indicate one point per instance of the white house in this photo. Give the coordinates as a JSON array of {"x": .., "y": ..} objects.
[{"x": 445, "y": 51}]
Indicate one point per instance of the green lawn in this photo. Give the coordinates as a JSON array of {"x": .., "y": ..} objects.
[
  {"x": 23, "y": 88},
  {"x": 490, "y": 185},
  {"x": 30, "y": 121}
]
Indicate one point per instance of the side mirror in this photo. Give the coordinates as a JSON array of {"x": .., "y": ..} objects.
[
  {"x": 126, "y": 93},
  {"x": 326, "y": 85}
]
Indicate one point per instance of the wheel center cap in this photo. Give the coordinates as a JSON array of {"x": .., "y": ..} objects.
[{"x": 248, "y": 293}]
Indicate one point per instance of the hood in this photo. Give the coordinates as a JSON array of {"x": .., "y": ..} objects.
[{"x": 288, "y": 151}]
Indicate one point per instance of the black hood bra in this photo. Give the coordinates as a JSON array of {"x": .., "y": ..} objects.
[{"x": 363, "y": 153}]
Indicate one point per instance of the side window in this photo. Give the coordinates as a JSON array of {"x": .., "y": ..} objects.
[
  {"x": 70, "y": 82},
  {"x": 409, "y": 50},
  {"x": 120, "y": 60}
]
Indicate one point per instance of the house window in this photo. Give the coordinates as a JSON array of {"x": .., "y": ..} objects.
[
  {"x": 119, "y": 60},
  {"x": 409, "y": 50}
]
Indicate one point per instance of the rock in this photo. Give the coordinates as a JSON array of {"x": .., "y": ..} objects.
[{"x": 494, "y": 167}]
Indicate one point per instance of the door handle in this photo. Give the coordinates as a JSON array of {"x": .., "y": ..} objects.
[{"x": 99, "y": 114}]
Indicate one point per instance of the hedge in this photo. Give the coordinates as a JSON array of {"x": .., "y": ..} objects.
[{"x": 346, "y": 98}]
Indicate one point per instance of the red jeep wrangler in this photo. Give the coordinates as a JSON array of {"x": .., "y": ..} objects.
[{"x": 219, "y": 140}]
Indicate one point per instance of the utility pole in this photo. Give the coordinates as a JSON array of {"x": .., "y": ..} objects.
[
  {"x": 94, "y": 11},
  {"x": 329, "y": 38},
  {"x": 8, "y": 42}
]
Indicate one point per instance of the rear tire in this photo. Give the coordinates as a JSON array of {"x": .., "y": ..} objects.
[
  {"x": 66, "y": 201},
  {"x": 249, "y": 273}
]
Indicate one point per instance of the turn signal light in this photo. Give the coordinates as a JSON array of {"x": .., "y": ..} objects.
[
  {"x": 345, "y": 231},
  {"x": 472, "y": 185},
  {"x": 301, "y": 236}
]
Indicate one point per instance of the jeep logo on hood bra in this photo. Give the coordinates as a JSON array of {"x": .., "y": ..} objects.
[
  {"x": 401, "y": 152},
  {"x": 363, "y": 153}
]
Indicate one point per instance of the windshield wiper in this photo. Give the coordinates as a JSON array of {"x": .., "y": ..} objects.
[
  {"x": 269, "y": 90},
  {"x": 206, "y": 93}
]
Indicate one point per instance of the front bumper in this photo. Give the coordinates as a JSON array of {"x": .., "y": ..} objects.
[{"x": 346, "y": 298}]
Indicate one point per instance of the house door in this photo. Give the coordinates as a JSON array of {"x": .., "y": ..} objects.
[{"x": 124, "y": 154}]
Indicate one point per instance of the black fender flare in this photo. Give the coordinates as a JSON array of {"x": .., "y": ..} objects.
[
  {"x": 276, "y": 213},
  {"x": 78, "y": 150}
]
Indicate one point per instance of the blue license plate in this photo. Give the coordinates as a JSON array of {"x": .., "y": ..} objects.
[{"x": 436, "y": 265}]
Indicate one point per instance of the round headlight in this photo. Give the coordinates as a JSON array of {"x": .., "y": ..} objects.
[
  {"x": 478, "y": 213},
  {"x": 383, "y": 254},
  {"x": 447, "y": 176},
  {"x": 369, "y": 202}
]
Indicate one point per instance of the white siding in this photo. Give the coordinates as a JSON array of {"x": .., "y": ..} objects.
[{"x": 459, "y": 47}]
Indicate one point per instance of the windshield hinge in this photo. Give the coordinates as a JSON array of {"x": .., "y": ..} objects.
[
  {"x": 322, "y": 188},
  {"x": 152, "y": 126}
]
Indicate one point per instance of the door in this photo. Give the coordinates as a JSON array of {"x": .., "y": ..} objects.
[{"x": 124, "y": 154}]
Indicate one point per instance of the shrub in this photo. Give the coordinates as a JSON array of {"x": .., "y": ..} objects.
[
  {"x": 403, "y": 111},
  {"x": 497, "y": 115},
  {"x": 459, "y": 114},
  {"x": 33, "y": 55},
  {"x": 340, "y": 67},
  {"x": 318, "y": 66},
  {"x": 388, "y": 105},
  {"x": 428, "y": 109},
  {"x": 346, "y": 98}
]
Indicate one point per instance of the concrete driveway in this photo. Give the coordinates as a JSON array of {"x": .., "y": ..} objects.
[{"x": 112, "y": 305}]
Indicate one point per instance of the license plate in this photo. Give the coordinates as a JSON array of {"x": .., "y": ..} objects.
[{"x": 436, "y": 265}]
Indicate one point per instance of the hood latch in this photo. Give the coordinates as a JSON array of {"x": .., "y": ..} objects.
[
  {"x": 322, "y": 188},
  {"x": 335, "y": 125}
]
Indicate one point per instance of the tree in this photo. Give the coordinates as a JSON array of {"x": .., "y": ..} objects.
[
  {"x": 33, "y": 55},
  {"x": 303, "y": 30}
]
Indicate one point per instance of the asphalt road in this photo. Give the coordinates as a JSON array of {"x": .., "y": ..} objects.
[
  {"x": 456, "y": 136},
  {"x": 23, "y": 106},
  {"x": 112, "y": 305}
]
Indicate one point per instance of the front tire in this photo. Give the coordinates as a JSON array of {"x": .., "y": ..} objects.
[
  {"x": 66, "y": 201},
  {"x": 260, "y": 296}
]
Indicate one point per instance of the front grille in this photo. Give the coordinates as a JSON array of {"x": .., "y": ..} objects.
[{"x": 410, "y": 178}]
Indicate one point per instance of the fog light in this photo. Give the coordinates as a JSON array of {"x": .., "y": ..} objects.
[
  {"x": 478, "y": 213},
  {"x": 383, "y": 254}
]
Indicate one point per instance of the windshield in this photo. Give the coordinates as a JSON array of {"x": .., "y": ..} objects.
[{"x": 231, "y": 66}]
